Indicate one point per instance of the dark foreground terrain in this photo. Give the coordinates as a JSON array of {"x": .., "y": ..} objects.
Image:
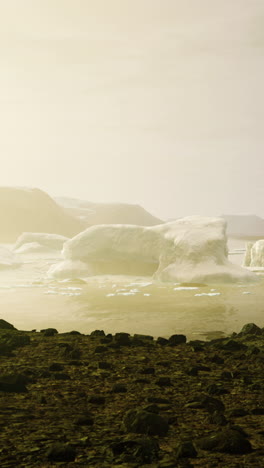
[{"x": 73, "y": 400}]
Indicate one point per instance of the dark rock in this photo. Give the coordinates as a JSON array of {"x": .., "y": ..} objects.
[
  {"x": 216, "y": 359},
  {"x": 185, "y": 450},
  {"x": 202, "y": 368},
  {"x": 237, "y": 413},
  {"x": 144, "y": 422},
  {"x": 217, "y": 418},
  {"x": 197, "y": 345},
  {"x": 61, "y": 376},
  {"x": 175, "y": 340},
  {"x": 216, "y": 389},
  {"x": 74, "y": 354},
  {"x": 65, "y": 347},
  {"x": 193, "y": 371},
  {"x": 6, "y": 325},
  {"x": 141, "y": 450},
  {"x": 74, "y": 332},
  {"x": 42, "y": 399},
  {"x": 105, "y": 340},
  {"x": 101, "y": 349},
  {"x": 226, "y": 375},
  {"x": 162, "y": 341},
  {"x": 104, "y": 365},
  {"x": 158, "y": 400},
  {"x": 247, "y": 380},
  {"x": 164, "y": 382},
  {"x": 122, "y": 339},
  {"x": 56, "y": 366},
  {"x": 84, "y": 420},
  {"x": 227, "y": 441},
  {"x": 169, "y": 461},
  {"x": 13, "y": 383},
  {"x": 142, "y": 380},
  {"x": 61, "y": 452},
  {"x": 119, "y": 388},
  {"x": 148, "y": 371},
  {"x": 210, "y": 404},
  {"x": 143, "y": 337},
  {"x": 258, "y": 411},
  {"x": 253, "y": 350},
  {"x": 98, "y": 333},
  {"x": 96, "y": 399},
  {"x": 232, "y": 345},
  {"x": 251, "y": 329},
  {"x": 164, "y": 363},
  {"x": 152, "y": 409},
  {"x": 49, "y": 331},
  {"x": 12, "y": 340}
]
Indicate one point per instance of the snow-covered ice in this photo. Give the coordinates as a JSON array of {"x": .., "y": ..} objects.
[
  {"x": 254, "y": 256},
  {"x": 189, "y": 250},
  {"x": 8, "y": 259},
  {"x": 32, "y": 242}
]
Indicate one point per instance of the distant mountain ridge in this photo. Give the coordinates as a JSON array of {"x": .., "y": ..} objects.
[
  {"x": 108, "y": 213},
  {"x": 32, "y": 210}
]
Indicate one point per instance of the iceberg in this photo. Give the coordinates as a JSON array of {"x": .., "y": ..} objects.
[
  {"x": 254, "y": 256},
  {"x": 188, "y": 250},
  {"x": 8, "y": 259},
  {"x": 30, "y": 242}
]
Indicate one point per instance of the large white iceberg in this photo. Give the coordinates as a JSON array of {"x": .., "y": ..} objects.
[
  {"x": 8, "y": 259},
  {"x": 254, "y": 256},
  {"x": 30, "y": 242},
  {"x": 192, "y": 249}
]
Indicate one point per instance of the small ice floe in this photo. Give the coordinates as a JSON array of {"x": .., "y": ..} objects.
[
  {"x": 71, "y": 289},
  {"x": 126, "y": 293},
  {"x": 69, "y": 294},
  {"x": 147, "y": 294},
  {"x": 110, "y": 295},
  {"x": 209, "y": 294},
  {"x": 247, "y": 292},
  {"x": 212, "y": 290},
  {"x": 185, "y": 288},
  {"x": 51, "y": 292}
]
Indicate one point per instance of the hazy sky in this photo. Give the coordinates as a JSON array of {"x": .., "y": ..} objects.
[{"x": 156, "y": 102}]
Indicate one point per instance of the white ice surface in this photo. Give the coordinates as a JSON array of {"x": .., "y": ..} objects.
[
  {"x": 8, "y": 259},
  {"x": 189, "y": 250},
  {"x": 30, "y": 242}
]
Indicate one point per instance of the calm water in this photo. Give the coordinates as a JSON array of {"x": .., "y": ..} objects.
[{"x": 132, "y": 304}]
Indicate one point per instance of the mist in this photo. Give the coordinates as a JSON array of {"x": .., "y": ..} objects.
[{"x": 157, "y": 104}]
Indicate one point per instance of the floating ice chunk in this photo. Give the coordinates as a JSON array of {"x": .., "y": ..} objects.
[
  {"x": 69, "y": 294},
  {"x": 35, "y": 241},
  {"x": 126, "y": 294},
  {"x": 209, "y": 294},
  {"x": 110, "y": 295},
  {"x": 147, "y": 294},
  {"x": 8, "y": 259},
  {"x": 188, "y": 250},
  {"x": 185, "y": 288},
  {"x": 247, "y": 292}
]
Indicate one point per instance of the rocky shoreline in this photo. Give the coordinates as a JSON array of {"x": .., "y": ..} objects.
[{"x": 74, "y": 400}]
